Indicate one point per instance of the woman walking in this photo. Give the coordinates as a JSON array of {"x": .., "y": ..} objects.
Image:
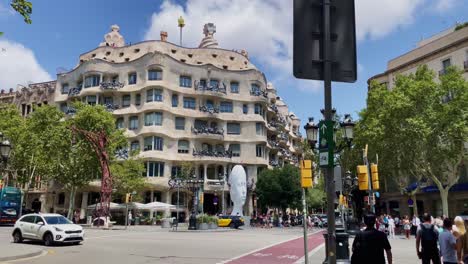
[
  {"x": 391, "y": 227},
  {"x": 407, "y": 226}
]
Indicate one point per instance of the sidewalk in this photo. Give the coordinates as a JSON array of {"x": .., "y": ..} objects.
[
  {"x": 403, "y": 251},
  {"x": 10, "y": 251}
]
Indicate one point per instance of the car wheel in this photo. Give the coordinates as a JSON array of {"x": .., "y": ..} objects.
[
  {"x": 17, "y": 237},
  {"x": 232, "y": 225},
  {"x": 48, "y": 240}
]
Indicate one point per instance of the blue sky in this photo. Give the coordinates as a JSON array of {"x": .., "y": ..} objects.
[{"x": 61, "y": 30}]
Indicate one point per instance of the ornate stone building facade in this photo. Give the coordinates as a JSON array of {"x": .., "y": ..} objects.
[
  {"x": 26, "y": 98},
  {"x": 208, "y": 106}
]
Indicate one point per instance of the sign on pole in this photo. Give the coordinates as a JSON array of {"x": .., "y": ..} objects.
[{"x": 326, "y": 143}]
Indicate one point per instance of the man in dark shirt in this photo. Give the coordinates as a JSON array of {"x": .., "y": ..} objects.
[{"x": 369, "y": 245}]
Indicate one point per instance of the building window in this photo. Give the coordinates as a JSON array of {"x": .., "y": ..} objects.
[
  {"x": 133, "y": 123},
  {"x": 135, "y": 146},
  {"x": 445, "y": 64},
  {"x": 189, "y": 102},
  {"x": 185, "y": 81},
  {"x": 154, "y": 75},
  {"x": 214, "y": 83},
  {"x": 126, "y": 100},
  {"x": 234, "y": 87},
  {"x": 259, "y": 128},
  {"x": 92, "y": 80},
  {"x": 65, "y": 88},
  {"x": 255, "y": 88},
  {"x": 183, "y": 146},
  {"x": 153, "y": 119},
  {"x": 235, "y": 150},
  {"x": 154, "y": 169},
  {"x": 245, "y": 108},
  {"x": 258, "y": 109},
  {"x": 259, "y": 150},
  {"x": 233, "y": 128},
  {"x": 61, "y": 198},
  {"x": 153, "y": 143},
  {"x": 119, "y": 123},
  {"x": 63, "y": 107},
  {"x": 175, "y": 100},
  {"x": 132, "y": 78},
  {"x": 108, "y": 101},
  {"x": 176, "y": 171},
  {"x": 154, "y": 95},
  {"x": 138, "y": 99},
  {"x": 91, "y": 99},
  {"x": 180, "y": 123},
  {"x": 225, "y": 107}
]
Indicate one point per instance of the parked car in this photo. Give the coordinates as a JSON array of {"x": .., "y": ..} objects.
[
  {"x": 231, "y": 221},
  {"x": 50, "y": 228}
]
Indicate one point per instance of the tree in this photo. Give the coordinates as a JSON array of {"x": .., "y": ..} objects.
[
  {"x": 127, "y": 175},
  {"x": 79, "y": 163},
  {"x": 280, "y": 188},
  {"x": 24, "y": 8},
  {"x": 418, "y": 129},
  {"x": 316, "y": 196}
]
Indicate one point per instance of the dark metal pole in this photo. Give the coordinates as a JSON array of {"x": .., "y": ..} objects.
[
  {"x": 330, "y": 186},
  {"x": 177, "y": 207}
]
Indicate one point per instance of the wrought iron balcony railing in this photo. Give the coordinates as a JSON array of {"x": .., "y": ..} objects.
[
  {"x": 207, "y": 130},
  {"x": 273, "y": 143},
  {"x": 274, "y": 163},
  {"x": 69, "y": 110},
  {"x": 111, "y": 107},
  {"x": 212, "y": 153},
  {"x": 274, "y": 108},
  {"x": 218, "y": 88},
  {"x": 111, "y": 85},
  {"x": 209, "y": 109},
  {"x": 259, "y": 93},
  {"x": 74, "y": 91}
]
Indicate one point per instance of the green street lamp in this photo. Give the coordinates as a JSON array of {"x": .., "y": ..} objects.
[
  {"x": 348, "y": 127},
  {"x": 5, "y": 148}
]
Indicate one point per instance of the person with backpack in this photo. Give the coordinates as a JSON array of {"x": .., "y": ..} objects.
[
  {"x": 370, "y": 244},
  {"x": 448, "y": 244},
  {"x": 427, "y": 237}
]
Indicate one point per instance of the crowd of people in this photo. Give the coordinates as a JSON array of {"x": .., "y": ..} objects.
[{"x": 438, "y": 240}]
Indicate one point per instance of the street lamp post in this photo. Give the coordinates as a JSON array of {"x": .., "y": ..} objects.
[
  {"x": 194, "y": 186},
  {"x": 5, "y": 149},
  {"x": 327, "y": 143}
]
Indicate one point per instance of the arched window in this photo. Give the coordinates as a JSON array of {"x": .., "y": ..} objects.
[{"x": 155, "y": 74}]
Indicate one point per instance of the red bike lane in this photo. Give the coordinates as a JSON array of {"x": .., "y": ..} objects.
[{"x": 285, "y": 253}]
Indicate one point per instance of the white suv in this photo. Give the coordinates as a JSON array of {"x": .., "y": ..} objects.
[{"x": 50, "y": 228}]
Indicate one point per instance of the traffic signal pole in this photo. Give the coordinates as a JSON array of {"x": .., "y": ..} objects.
[
  {"x": 330, "y": 186},
  {"x": 371, "y": 191}
]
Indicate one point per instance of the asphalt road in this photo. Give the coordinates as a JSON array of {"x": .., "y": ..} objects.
[{"x": 146, "y": 244}]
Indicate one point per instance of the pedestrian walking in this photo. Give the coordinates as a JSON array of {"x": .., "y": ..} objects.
[
  {"x": 462, "y": 247},
  {"x": 427, "y": 237},
  {"x": 458, "y": 229},
  {"x": 370, "y": 244},
  {"x": 407, "y": 226},
  {"x": 448, "y": 244},
  {"x": 415, "y": 224},
  {"x": 391, "y": 227}
]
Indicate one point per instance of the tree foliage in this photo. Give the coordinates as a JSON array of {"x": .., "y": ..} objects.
[
  {"x": 24, "y": 8},
  {"x": 127, "y": 175},
  {"x": 316, "y": 196},
  {"x": 418, "y": 128},
  {"x": 280, "y": 188}
]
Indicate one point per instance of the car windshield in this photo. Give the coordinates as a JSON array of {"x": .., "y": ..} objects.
[{"x": 57, "y": 220}]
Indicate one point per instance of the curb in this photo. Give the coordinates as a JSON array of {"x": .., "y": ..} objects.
[
  {"x": 24, "y": 256},
  {"x": 205, "y": 231}
]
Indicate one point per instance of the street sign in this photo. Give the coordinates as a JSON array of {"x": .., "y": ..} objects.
[
  {"x": 308, "y": 40},
  {"x": 326, "y": 143}
]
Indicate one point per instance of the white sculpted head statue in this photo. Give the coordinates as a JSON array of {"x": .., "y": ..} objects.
[{"x": 238, "y": 183}]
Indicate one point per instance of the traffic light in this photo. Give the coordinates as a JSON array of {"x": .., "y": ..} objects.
[
  {"x": 306, "y": 174},
  {"x": 363, "y": 177},
  {"x": 375, "y": 177},
  {"x": 1, "y": 183},
  {"x": 128, "y": 198}
]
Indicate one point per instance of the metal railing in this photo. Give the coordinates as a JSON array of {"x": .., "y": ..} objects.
[
  {"x": 207, "y": 130},
  {"x": 209, "y": 109},
  {"x": 218, "y": 88},
  {"x": 74, "y": 91},
  {"x": 111, "y": 85},
  {"x": 259, "y": 93},
  {"x": 212, "y": 153}
]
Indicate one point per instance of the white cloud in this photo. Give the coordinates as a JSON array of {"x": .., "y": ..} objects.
[
  {"x": 18, "y": 65},
  {"x": 445, "y": 5},
  {"x": 264, "y": 28}
]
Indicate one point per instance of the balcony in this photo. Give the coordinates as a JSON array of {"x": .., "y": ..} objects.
[
  {"x": 273, "y": 108},
  {"x": 259, "y": 93},
  {"x": 203, "y": 86},
  {"x": 207, "y": 130},
  {"x": 209, "y": 109},
  {"x": 111, "y": 85},
  {"x": 286, "y": 153},
  {"x": 274, "y": 163},
  {"x": 283, "y": 138},
  {"x": 111, "y": 107},
  {"x": 74, "y": 91},
  {"x": 273, "y": 143},
  {"x": 297, "y": 133},
  {"x": 69, "y": 110},
  {"x": 212, "y": 153}
]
